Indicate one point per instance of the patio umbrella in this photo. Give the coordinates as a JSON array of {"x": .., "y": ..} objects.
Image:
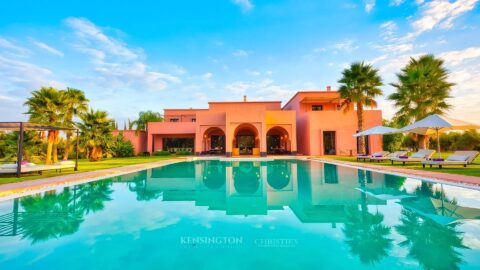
[
  {"x": 377, "y": 130},
  {"x": 435, "y": 124}
]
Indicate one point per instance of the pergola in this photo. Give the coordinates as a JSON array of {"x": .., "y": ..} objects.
[{"x": 27, "y": 126}]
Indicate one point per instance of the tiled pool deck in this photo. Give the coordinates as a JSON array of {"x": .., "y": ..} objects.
[{"x": 8, "y": 191}]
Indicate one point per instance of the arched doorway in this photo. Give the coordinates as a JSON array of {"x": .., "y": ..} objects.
[
  {"x": 278, "y": 141},
  {"x": 246, "y": 140},
  {"x": 214, "y": 141}
]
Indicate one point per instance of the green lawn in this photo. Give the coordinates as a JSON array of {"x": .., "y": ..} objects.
[
  {"x": 472, "y": 169},
  {"x": 85, "y": 166}
]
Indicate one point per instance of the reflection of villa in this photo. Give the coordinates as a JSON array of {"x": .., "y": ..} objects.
[
  {"x": 253, "y": 188},
  {"x": 311, "y": 123}
]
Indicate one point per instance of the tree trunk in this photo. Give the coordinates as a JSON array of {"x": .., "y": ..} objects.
[
  {"x": 51, "y": 139},
  {"x": 55, "y": 146},
  {"x": 361, "y": 139},
  {"x": 96, "y": 153},
  {"x": 422, "y": 141},
  {"x": 67, "y": 145}
]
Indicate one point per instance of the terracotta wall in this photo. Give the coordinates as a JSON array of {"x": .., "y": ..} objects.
[{"x": 139, "y": 140}]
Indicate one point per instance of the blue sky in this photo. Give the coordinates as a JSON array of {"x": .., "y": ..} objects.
[{"x": 130, "y": 56}]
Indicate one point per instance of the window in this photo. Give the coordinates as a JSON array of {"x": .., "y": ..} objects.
[
  {"x": 174, "y": 120},
  {"x": 194, "y": 119},
  {"x": 317, "y": 107}
]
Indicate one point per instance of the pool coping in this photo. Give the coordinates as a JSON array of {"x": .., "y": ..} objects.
[
  {"x": 30, "y": 187},
  {"x": 19, "y": 189},
  {"x": 466, "y": 181}
]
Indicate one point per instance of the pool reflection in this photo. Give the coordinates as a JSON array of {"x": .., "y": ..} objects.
[{"x": 427, "y": 226}]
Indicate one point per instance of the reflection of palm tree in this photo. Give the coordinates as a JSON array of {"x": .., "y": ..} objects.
[
  {"x": 139, "y": 186},
  {"x": 367, "y": 236},
  {"x": 365, "y": 233},
  {"x": 49, "y": 216},
  {"x": 432, "y": 245},
  {"x": 92, "y": 196}
]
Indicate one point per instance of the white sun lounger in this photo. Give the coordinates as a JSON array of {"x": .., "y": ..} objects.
[
  {"x": 389, "y": 156},
  {"x": 458, "y": 158},
  {"x": 379, "y": 154},
  {"x": 421, "y": 155},
  {"x": 12, "y": 168}
]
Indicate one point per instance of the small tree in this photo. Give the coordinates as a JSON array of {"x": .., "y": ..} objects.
[{"x": 96, "y": 133}]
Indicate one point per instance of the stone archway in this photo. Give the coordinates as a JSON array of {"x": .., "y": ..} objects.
[
  {"x": 246, "y": 140},
  {"x": 278, "y": 141},
  {"x": 213, "y": 141}
]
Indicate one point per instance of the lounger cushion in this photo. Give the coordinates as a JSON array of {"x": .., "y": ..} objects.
[
  {"x": 8, "y": 166},
  {"x": 457, "y": 158},
  {"x": 418, "y": 155}
]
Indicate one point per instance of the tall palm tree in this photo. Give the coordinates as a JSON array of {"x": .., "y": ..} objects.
[
  {"x": 96, "y": 132},
  {"x": 359, "y": 86},
  {"x": 75, "y": 104},
  {"x": 46, "y": 106},
  {"x": 145, "y": 117},
  {"x": 422, "y": 89}
]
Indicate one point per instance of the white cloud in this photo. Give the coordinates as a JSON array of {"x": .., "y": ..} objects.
[
  {"x": 240, "y": 53},
  {"x": 369, "y": 5},
  {"x": 457, "y": 57},
  {"x": 319, "y": 50},
  {"x": 116, "y": 64},
  {"x": 263, "y": 89},
  {"x": 245, "y": 5},
  {"x": 207, "y": 76},
  {"x": 46, "y": 47},
  {"x": 12, "y": 48},
  {"x": 440, "y": 13},
  {"x": 347, "y": 45},
  {"x": 396, "y": 3}
]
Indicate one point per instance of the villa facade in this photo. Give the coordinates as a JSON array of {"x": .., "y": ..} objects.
[{"x": 310, "y": 123}]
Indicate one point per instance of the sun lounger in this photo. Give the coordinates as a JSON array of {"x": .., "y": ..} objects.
[
  {"x": 458, "y": 158},
  {"x": 389, "y": 156},
  {"x": 377, "y": 154},
  {"x": 30, "y": 167},
  {"x": 421, "y": 155}
]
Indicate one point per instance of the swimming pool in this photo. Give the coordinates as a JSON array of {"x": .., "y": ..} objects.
[{"x": 282, "y": 214}]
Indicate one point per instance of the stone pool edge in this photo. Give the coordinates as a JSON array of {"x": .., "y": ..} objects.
[
  {"x": 466, "y": 181},
  {"x": 30, "y": 187}
]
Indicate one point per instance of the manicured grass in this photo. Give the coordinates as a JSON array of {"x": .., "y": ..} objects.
[
  {"x": 471, "y": 169},
  {"x": 85, "y": 166}
]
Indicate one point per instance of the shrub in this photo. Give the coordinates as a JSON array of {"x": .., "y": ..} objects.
[
  {"x": 122, "y": 147},
  {"x": 184, "y": 153},
  {"x": 161, "y": 153}
]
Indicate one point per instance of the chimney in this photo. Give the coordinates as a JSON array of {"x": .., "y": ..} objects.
[
  {"x": 329, "y": 88},
  {"x": 244, "y": 98}
]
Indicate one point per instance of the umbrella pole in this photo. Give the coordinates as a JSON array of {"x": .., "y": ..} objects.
[{"x": 438, "y": 144}]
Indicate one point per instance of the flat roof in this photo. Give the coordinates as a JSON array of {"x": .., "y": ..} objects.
[
  {"x": 309, "y": 92},
  {"x": 235, "y": 102}
]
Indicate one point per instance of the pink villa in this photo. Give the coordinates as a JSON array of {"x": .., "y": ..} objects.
[{"x": 310, "y": 123}]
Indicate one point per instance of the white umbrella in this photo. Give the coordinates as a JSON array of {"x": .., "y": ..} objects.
[
  {"x": 378, "y": 130},
  {"x": 434, "y": 124}
]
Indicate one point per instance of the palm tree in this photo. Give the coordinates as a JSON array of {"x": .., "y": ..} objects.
[
  {"x": 96, "y": 133},
  {"x": 145, "y": 117},
  {"x": 422, "y": 89},
  {"x": 359, "y": 85},
  {"x": 46, "y": 106},
  {"x": 75, "y": 104}
]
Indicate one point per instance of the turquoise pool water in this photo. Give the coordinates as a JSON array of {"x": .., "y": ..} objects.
[{"x": 284, "y": 214}]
